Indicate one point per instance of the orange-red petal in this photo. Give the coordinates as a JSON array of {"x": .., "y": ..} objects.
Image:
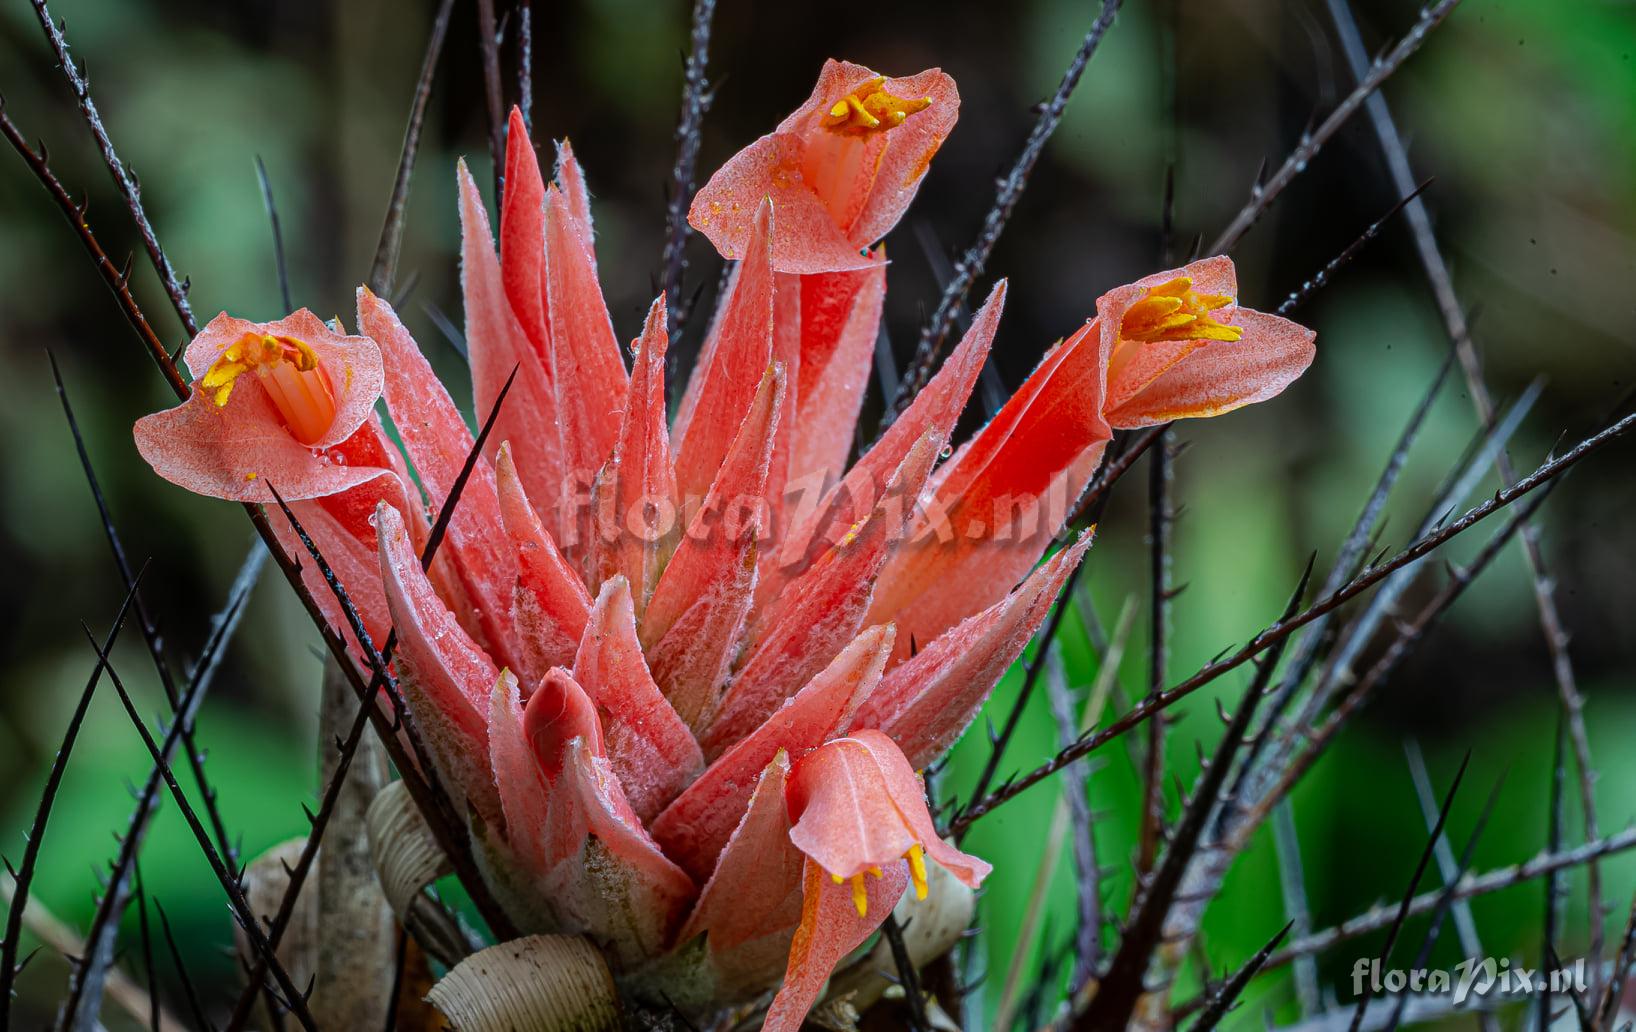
[{"x": 830, "y": 928}]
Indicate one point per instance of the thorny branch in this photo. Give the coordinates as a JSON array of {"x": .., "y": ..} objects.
[
  {"x": 1459, "y": 333},
  {"x": 1263, "y": 194},
  {"x": 488, "y": 43},
  {"x": 227, "y": 877},
  {"x": 129, "y": 188},
  {"x": 1009, "y": 191},
  {"x": 1378, "y": 917},
  {"x": 390, "y": 247},
  {"x": 449, "y": 837},
  {"x": 1542, "y": 475},
  {"x": 23, "y": 874},
  {"x": 1153, "y": 755},
  {"x": 696, "y": 98},
  {"x": 89, "y": 977}
]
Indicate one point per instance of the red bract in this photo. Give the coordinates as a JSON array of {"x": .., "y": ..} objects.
[{"x": 679, "y": 676}]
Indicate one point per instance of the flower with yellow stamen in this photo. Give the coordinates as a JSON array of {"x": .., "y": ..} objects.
[
  {"x": 290, "y": 372},
  {"x": 277, "y": 403},
  {"x": 858, "y": 806}
]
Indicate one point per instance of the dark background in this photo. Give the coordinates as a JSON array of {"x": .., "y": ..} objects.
[{"x": 1521, "y": 110}]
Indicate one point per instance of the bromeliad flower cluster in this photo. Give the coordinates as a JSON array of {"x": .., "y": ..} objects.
[{"x": 681, "y": 673}]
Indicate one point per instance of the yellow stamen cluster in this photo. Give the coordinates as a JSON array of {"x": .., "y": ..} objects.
[
  {"x": 870, "y": 109},
  {"x": 860, "y": 893},
  {"x": 1174, "y": 311},
  {"x": 252, "y": 351}
]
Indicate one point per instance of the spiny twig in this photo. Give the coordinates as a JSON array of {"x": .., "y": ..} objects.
[
  {"x": 387, "y": 251},
  {"x": 122, "y": 991},
  {"x": 124, "y": 179},
  {"x": 1151, "y": 821},
  {"x": 227, "y": 877},
  {"x": 88, "y": 977},
  {"x": 696, "y": 98},
  {"x": 1320, "y": 279},
  {"x": 1396, "y": 927},
  {"x": 1463, "y": 480},
  {"x": 908, "y": 978},
  {"x": 117, "y": 282},
  {"x": 1278, "y": 631},
  {"x": 488, "y": 42},
  {"x": 1447, "y": 901},
  {"x": 279, "y": 263},
  {"x": 188, "y": 989},
  {"x": 1459, "y": 333},
  {"x": 1378, "y": 917},
  {"x": 1408, "y": 635},
  {"x": 525, "y": 62},
  {"x": 1009, "y": 191},
  {"x": 1124, "y": 983},
  {"x": 145, "y": 622},
  {"x": 1263, "y": 194},
  {"x": 1347, "y": 560},
  {"x": 1223, "y": 999},
  {"x": 23, "y": 875}
]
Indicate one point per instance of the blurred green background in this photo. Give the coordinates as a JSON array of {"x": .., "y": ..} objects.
[{"x": 1524, "y": 110}]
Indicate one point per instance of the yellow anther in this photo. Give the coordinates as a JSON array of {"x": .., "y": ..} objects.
[
  {"x": 249, "y": 352},
  {"x": 870, "y": 109},
  {"x": 917, "y": 869},
  {"x": 860, "y": 895},
  {"x": 289, "y": 370},
  {"x": 1174, "y": 311}
]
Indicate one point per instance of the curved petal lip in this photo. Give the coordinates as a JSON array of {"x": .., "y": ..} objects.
[
  {"x": 234, "y": 453},
  {"x": 805, "y": 237},
  {"x": 1221, "y": 377}
]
